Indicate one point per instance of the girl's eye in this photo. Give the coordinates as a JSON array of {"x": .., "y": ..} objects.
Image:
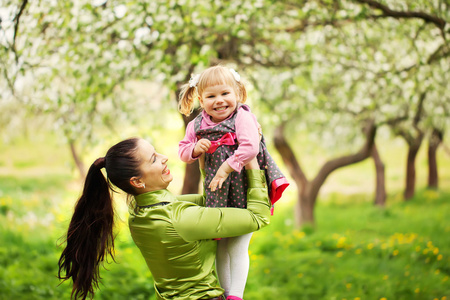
[{"x": 225, "y": 93}]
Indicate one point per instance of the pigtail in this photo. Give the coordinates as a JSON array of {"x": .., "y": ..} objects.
[
  {"x": 90, "y": 237},
  {"x": 242, "y": 91},
  {"x": 188, "y": 95}
]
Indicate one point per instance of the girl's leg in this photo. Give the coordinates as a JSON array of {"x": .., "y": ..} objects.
[
  {"x": 223, "y": 265},
  {"x": 239, "y": 263}
]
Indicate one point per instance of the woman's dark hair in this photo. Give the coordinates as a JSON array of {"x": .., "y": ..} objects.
[{"x": 90, "y": 237}]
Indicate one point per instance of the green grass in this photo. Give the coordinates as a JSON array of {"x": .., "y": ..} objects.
[{"x": 356, "y": 251}]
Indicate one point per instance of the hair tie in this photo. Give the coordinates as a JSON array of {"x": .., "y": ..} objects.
[
  {"x": 100, "y": 162},
  {"x": 236, "y": 75},
  {"x": 194, "y": 80}
]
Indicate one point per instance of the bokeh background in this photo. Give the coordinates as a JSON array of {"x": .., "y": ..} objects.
[{"x": 353, "y": 98}]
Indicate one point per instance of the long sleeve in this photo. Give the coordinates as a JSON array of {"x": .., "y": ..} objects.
[
  {"x": 196, "y": 223},
  {"x": 248, "y": 137},
  {"x": 186, "y": 146}
]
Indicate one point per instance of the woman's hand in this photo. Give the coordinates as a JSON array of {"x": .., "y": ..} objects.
[
  {"x": 221, "y": 176},
  {"x": 201, "y": 147}
]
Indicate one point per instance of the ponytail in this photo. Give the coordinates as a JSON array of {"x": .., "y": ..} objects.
[
  {"x": 188, "y": 95},
  {"x": 90, "y": 235}
]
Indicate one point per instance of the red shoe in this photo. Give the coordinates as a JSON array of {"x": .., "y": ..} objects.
[{"x": 233, "y": 298}]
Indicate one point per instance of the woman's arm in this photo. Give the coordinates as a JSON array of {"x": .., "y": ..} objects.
[
  {"x": 196, "y": 198},
  {"x": 195, "y": 223}
]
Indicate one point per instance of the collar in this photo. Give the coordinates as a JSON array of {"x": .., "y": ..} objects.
[{"x": 154, "y": 197}]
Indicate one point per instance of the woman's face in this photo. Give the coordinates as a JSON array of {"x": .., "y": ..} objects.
[{"x": 155, "y": 173}]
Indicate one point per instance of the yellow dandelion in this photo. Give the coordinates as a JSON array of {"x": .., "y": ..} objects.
[
  {"x": 436, "y": 251},
  {"x": 417, "y": 290},
  {"x": 439, "y": 257},
  {"x": 385, "y": 277},
  {"x": 358, "y": 251},
  {"x": 395, "y": 253},
  {"x": 445, "y": 279},
  {"x": 300, "y": 234},
  {"x": 444, "y": 298},
  {"x": 348, "y": 286},
  {"x": 340, "y": 254},
  {"x": 370, "y": 246},
  {"x": 384, "y": 298},
  {"x": 384, "y": 246},
  {"x": 437, "y": 271},
  {"x": 407, "y": 273},
  {"x": 417, "y": 248},
  {"x": 357, "y": 298}
]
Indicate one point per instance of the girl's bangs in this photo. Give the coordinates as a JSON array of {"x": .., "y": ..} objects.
[{"x": 215, "y": 76}]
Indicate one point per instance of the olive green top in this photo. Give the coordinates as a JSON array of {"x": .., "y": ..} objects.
[{"x": 176, "y": 239}]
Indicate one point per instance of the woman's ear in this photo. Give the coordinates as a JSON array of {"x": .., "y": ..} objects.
[{"x": 137, "y": 182}]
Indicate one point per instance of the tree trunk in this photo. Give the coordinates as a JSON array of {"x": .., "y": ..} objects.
[
  {"x": 309, "y": 190},
  {"x": 380, "y": 189},
  {"x": 76, "y": 158},
  {"x": 192, "y": 171},
  {"x": 435, "y": 140},
  {"x": 303, "y": 211},
  {"x": 414, "y": 146}
]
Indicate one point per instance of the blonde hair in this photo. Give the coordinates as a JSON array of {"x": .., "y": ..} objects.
[{"x": 212, "y": 76}]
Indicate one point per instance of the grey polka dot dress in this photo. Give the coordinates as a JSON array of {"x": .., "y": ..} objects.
[{"x": 234, "y": 190}]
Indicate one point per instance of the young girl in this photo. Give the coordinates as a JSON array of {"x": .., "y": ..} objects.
[{"x": 227, "y": 132}]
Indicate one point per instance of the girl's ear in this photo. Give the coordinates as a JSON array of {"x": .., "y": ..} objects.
[
  {"x": 201, "y": 101},
  {"x": 136, "y": 182}
]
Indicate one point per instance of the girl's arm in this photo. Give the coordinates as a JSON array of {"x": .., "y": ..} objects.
[
  {"x": 187, "y": 145},
  {"x": 196, "y": 223},
  {"x": 247, "y": 135}
]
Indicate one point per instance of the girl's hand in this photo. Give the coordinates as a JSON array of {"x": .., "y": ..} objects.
[
  {"x": 221, "y": 176},
  {"x": 201, "y": 147}
]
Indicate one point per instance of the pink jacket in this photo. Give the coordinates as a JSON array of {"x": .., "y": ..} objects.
[{"x": 246, "y": 133}]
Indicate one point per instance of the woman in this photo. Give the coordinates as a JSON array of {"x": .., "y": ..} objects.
[{"x": 175, "y": 237}]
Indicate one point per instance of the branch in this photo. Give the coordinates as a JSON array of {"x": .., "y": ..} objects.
[
  {"x": 343, "y": 161},
  {"x": 288, "y": 156},
  {"x": 16, "y": 20},
  {"x": 440, "y": 23}
]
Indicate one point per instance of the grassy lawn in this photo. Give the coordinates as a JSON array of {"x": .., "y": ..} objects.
[{"x": 356, "y": 251}]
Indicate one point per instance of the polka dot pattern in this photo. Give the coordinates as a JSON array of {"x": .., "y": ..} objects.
[{"x": 234, "y": 190}]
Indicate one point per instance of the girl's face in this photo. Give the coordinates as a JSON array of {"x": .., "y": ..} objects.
[
  {"x": 155, "y": 173},
  {"x": 219, "y": 101}
]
